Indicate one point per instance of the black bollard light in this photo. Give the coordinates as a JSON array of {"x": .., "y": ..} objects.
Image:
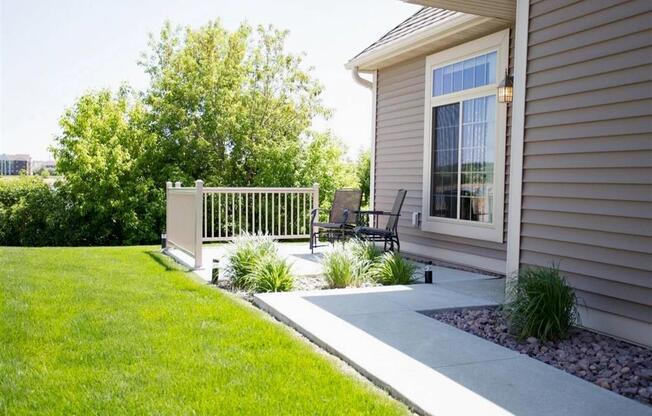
[
  {"x": 428, "y": 273},
  {"x": 163, "y": 241},
  {"x": 215, "y": 272}
]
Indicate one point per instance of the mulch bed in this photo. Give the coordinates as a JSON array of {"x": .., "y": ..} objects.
[{"x": 612, "y": 364}]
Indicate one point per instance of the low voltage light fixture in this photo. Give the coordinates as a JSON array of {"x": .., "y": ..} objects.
[{"x": 506, "y": 89}]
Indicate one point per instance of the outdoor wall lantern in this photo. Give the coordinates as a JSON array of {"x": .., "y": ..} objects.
[{"x": 506, "y": 89}]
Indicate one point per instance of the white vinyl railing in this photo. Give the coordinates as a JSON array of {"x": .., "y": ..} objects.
[
  {"x": 282, "y": 213},
  {"x": 183, "y": 218},
  {"x": 197, "y": 214}
]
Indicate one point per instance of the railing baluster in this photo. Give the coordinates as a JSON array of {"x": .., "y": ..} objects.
[
  {"x": 259, "y": 212},
  {"x": 232, "y": 214},
  {"x": 204, "y": 201}
]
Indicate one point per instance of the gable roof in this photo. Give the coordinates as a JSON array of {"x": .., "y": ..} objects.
[
  {"x": 423, "y": 18},
  {"x": 428, "y": 30}
]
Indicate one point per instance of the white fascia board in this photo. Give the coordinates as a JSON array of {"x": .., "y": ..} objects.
[{"x": 451, "y": 25}]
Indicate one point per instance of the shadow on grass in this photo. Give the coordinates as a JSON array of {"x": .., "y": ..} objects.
[{"x": 167, "y": 263}]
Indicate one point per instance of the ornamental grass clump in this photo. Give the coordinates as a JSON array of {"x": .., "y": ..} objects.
[
  {"x": 365, "y": 250},
  {"x": 272, "y": 275},
  {"x": 245, "y": 255},
  {"x": 342, "y": 269},
  {"x": 392, "y": 269},
  {"x": 542, "y": 305}
]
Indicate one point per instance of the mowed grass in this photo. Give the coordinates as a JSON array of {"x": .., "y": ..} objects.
[{"x": 122, "y": 331}]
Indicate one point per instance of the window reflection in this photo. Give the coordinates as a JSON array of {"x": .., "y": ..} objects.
[
  {"x": 467, "y": 160},
  {"x": 460, "y": 76}
]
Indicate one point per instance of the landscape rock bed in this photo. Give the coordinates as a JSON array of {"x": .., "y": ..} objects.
[
  {"x": 612, "y": 364},
  {"x": 300, "y": 283}
]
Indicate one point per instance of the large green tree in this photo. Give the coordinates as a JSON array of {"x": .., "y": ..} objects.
[
  {"x": 101, "y": 153},
  {"x": 233, "y": 108}
]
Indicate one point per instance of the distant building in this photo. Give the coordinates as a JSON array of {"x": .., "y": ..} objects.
[
  {"x": 40, "y": 165},
  {"x": 11, "y": 165}
]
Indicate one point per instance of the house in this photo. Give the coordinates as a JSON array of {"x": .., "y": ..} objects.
[{"x": 561, "y": 175}]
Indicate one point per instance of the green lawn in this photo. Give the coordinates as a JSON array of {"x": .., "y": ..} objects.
[{"x": 122, "y": 331}]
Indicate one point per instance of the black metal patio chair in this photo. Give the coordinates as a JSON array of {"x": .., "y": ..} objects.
[
  {"x": 342, "y": 217},
  {"x": 389, "y": 234}
]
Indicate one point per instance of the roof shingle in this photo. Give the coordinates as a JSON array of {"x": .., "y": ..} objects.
[{"x": 422, "y": 19}]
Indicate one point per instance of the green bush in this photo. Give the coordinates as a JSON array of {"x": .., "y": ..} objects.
[
  {"x": 245, "y": 254},
  {"x": 342, "y": 269},
  {"x": 33, "y": 214},
  {"x": 272, "y": 274},
  {"x": 393, "y": 269},
  {"x": 542, "y": 304}
]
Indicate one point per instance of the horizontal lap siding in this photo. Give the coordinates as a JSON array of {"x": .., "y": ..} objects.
[
  {"x": 587, "y": 168},
  {"x": 399, "y": 157}
]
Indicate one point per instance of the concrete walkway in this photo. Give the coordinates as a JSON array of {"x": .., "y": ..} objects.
[
  {"x": 438, "y": 369},
  {"x": 302, "y": 261}
]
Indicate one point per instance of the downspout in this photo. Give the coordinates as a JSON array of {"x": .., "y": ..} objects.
[
  {"x": 372, "y": 86},
  {"x": 361, "y": 81}
]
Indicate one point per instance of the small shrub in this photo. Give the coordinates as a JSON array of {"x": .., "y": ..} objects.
[
  {"x": 393, "y": 269},
  {"x": 245, "y": 254},
  {"x": 272, "y": 274},
  {"x": 342, "y": 269},
  {"x": 543, "y": 305},
  {"x": 365, "y": 250}
]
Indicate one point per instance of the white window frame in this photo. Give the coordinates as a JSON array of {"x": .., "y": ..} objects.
[{"x": 498, "y": 42}]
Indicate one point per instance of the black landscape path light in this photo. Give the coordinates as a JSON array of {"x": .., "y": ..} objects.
[{"x": 428, "y": 273}]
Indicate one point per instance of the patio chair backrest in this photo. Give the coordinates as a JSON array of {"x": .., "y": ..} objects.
[
  {"x": 392, "y": 222},
  {"x": 345, "y": 199}
]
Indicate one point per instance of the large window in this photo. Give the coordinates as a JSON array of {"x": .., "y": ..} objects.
[{"x": 465, "y": 140}]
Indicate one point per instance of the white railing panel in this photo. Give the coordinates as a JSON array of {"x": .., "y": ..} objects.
[
  {"x": 283, "y": 213},
  {"x": 183, "y": 219}
]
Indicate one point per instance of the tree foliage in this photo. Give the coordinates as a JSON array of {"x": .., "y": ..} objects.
[
  {"x": 233, "y": 108},
  {"x": 31, "y": 213},
  {"x": 363, "y": 173},
  {"x": 101, "y": 153}
]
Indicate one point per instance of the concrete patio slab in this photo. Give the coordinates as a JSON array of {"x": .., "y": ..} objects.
[
  {"x": 436, "y": 368},
  {"x": 302, "y": 261}
]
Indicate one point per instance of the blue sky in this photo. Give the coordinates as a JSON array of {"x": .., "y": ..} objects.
[{"x": 53, "y": 51}]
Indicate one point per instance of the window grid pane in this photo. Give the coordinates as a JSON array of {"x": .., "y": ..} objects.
[{"x": 459, "y": 76}]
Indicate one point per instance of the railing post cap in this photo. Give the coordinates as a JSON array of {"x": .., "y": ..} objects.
[
  {"x": 168, "y": 184},
  {"x": 199, "y": 182}
]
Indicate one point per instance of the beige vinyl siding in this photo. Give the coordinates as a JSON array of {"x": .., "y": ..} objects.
[
  {"x": 587, "y": 164},
  {"x": 399, "y": 162}
]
